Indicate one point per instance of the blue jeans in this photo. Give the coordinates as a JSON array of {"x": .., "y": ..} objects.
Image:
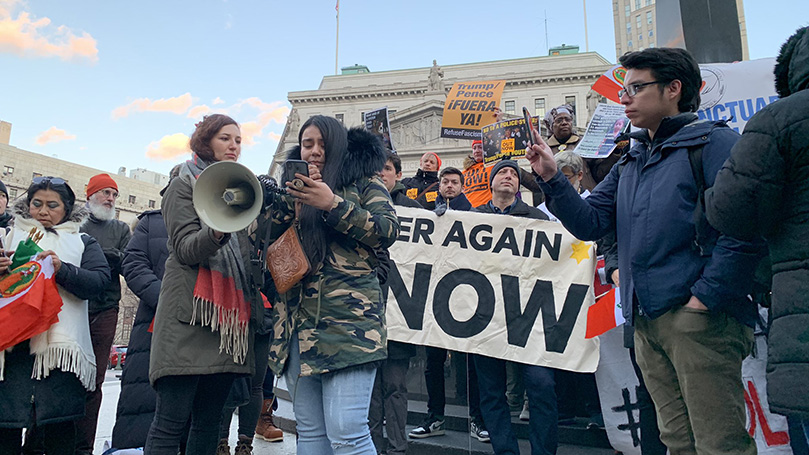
[
  {"x": 331, "y": 409},
  {"x": 539, "y": 384}
]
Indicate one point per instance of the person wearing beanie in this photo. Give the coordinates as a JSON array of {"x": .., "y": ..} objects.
[
  {"x": 477, "y": 177},
  {"x": 538, "y": 380},
  {"x": 5, "y": 215},
  {"x": 423, "y": 187},
  {"x": 113, "y": 236}
]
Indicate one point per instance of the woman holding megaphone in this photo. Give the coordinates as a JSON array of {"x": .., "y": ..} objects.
[
  {"x": 206, "y": 315},
  {"x": 329, "y": 330}
]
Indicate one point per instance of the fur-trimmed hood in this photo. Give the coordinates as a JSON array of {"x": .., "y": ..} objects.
[
  {"x": 78, "y": 216},
  {"x": 365, "y": 157}
]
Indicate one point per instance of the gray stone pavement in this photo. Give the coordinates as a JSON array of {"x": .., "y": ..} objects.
[
  {"x": 106, "y": 420},
  {"x": 451, "y": 444}
]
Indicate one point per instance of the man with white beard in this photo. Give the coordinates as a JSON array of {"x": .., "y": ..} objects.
[{"x": 113, "y": 236}]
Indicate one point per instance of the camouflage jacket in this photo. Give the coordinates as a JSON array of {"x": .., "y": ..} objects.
[{"x": 337, "y": 312}]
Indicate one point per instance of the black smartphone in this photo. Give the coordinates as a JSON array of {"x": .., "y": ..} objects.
[
  {"x": 292, "y": 167},
  {"x": 527, "y": 116}
]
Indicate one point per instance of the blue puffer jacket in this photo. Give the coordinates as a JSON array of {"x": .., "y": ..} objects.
[{"x": 650, "y": 204}]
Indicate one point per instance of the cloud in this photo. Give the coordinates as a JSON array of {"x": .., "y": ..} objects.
[
  {"x": 31, "y": 37},
  {"x": 197, "y": 112},
  {"x": 250, "y": 130},
  {"x": 54, "y": 134},
  {"x": 176, "y": 105},
  {"x": 168, "y": 147},
  {"x": 274, "y": 136},
  {"x": 218, "y": 100}
]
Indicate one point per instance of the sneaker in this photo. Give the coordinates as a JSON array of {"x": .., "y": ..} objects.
[
  {"x": 430, "y": 427},
  {"x": 596, "y": 422},
  {"x": 479, "y": 432},
  {"x": 525, "y": 414},
  {"x": 222, "y": 448}
]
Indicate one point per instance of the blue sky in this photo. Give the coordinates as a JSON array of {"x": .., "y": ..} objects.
[{"x": 108, "y": 84}]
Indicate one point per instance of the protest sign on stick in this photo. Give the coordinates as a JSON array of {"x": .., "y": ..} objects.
[
  {"x": 377, "y": 122},
  {"x": 598, "y": 142},
  {"x": 469, "y": 106},
  {"x": 508, "y": 138}
]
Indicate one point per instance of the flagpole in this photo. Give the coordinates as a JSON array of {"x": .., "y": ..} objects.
[
  {"x": 337, "y": 40},
  {"x": 586, "y": 40}
]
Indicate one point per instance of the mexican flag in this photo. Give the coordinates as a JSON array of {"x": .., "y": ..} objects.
[
  {"x": 29, "y": 302},
  {"x": 610, "y": 82}
]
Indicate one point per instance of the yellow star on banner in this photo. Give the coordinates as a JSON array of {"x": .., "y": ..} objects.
[{"x": 581, "y": 251}]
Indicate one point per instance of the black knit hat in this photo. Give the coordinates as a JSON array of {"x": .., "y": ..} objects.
[
  {"x": 3, "y": 189},
  {"x": 505, "y": 162}
]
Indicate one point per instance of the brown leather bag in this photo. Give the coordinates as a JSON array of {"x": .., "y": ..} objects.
[{"x": 286, "y": 260}]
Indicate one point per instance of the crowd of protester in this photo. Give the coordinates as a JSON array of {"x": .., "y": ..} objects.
[{"x": 684, "y": 217}]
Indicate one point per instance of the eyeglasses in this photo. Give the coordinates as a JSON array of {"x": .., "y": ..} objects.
[
  {"x": 633, "y": 89},
  {"x": 51, "y": 180}
]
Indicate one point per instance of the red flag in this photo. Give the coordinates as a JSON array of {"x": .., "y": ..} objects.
[
  {"x": 604, "y": 315},
  {"x": 337, "y": 7},
  {"x": 29, "y": 302},
  {"x": 610, "y": 82}
]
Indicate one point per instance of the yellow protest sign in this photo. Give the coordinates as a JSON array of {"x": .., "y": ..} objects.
[{"x": 469, "y": 106}]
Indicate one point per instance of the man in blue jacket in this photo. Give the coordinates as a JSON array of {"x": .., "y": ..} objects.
[{"x": 692, "y": 318}]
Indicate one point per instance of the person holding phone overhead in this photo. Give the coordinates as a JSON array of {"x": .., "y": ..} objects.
[{"x": 330, "y": 327}]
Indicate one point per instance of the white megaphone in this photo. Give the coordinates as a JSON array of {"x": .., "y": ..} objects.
[{"x": 228, "y": 196}]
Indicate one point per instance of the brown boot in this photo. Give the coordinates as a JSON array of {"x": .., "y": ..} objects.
[
  {"x": 244, "y": 446},
  {"x": 265, "y": 429}
]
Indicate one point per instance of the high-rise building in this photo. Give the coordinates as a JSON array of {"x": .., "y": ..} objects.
[{"x": 636, "y": 26}]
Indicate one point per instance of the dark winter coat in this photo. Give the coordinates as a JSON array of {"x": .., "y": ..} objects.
[
  {"x": 520, "y": 209},
  {"x": 399, "y": 196},
  {"x": 763, "y": 189},
  {"x": 396, "y": 349},
  {"x": 459, "y": 202},
  {"x": 423, "y": 187},
  {"x": 650, "y": 204},
  {"x": 336, "y": 312},
  {"x": 60, "y": 396},
  {"x": 113, "y": 237},
  {"x": 143, "y": 266}
]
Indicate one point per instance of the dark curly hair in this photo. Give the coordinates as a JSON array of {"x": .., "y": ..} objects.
[
  {"x": 668, "y": 64},
  {"x": 206, "y": 129},
  {"x": 783, "y": 62}
]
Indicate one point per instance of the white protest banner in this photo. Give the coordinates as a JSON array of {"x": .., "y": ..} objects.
[
  {"x": 617, "y": 392},
  {"x": 505, "y": 287},
  {"x": 736, "y": 91},
  {"x": 598, "y": 142},
  {"x": 770, "y": 430}
]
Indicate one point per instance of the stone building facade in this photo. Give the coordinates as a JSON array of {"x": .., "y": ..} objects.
[
  {"x": 18, "y": 167},
  {"x": 415, "y": 100}
]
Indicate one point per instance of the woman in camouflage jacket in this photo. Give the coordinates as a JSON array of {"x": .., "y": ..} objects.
[{"x": 330, "y": 328}]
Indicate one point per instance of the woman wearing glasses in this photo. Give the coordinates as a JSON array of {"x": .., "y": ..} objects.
[
  {"x": 207, "y": 309},
  {"x": 45, "y": 378}
]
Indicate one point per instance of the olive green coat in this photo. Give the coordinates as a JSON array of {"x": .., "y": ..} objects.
[{"x": 179, "y": 348}]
